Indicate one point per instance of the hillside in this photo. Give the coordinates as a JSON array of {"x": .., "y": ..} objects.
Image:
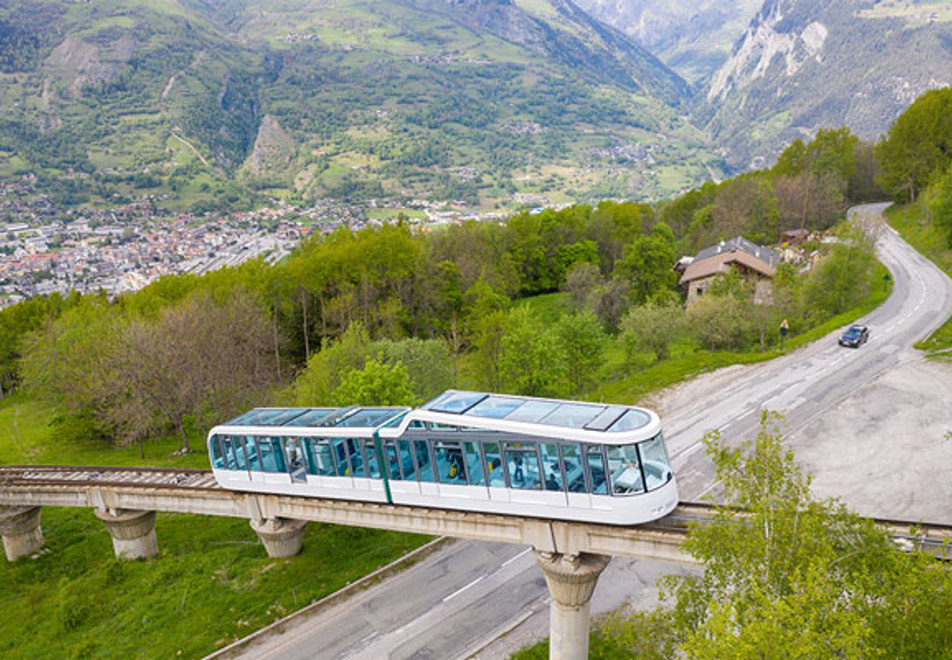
[
  {"x": 211, "y": 102},
  {"x": 809, "y": 64}
]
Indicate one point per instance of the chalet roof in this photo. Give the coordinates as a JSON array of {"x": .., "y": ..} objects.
[
  {"x": 718, "y": 259},
  {"x": 739, "y": 243}
]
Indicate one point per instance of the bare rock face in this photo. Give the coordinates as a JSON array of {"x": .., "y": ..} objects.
[
  {"x": 76, "y": 62},
  {"x": 273, "y": 149},
  {"x": 803, "y": 65}
]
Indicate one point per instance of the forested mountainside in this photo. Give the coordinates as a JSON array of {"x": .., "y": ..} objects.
[
  {"x": 808, "y": 64},
  {"x": 693, "y": 37},
  {"x": 217, "y": 101}
]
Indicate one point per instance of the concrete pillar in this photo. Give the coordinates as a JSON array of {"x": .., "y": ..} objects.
[
  {"x": 571, "y": 580},
  {"x": 281, "y": 536},
  {"x": 21, "y": 531},
  {"x": 133, "y": 533}
]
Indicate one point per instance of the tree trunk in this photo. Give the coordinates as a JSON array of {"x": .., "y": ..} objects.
[
  {"x": 307, "y": 345},
  {"x": 181, "y": 425}
]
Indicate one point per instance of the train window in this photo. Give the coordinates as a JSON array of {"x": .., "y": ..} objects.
[
  {"x": 625, "y": 470},
  {"x": 406, "y": 459},
  {"x": 496, "y": 407},
  {"x": 251, "y": 452},
  {"x": 370, "y": 452},
  {"x": 323, "y": 457},
  {"x": 236, "y": 449},
  {"x": 310, "y": 462},
  {"x": 217, "y": 457},
  {"x": 574, "y": 473},
  {"x": 423, "y": 463},
  {"x": 391, "y": 459},
  {"x": 573, "y": 415},
  {"x": 474, "y": 464},
  {"x": 357, "y": 464},
  {"x": 595, "y": 462},
  {"x": 497, "y": 475},
  {"x": 522, "y": 460},
  {"x": 342, "y": 458},
  {"x": 449, "y": 462},
  {"x": 551, "y": 470},
  {"x": 270, "y": 451},
  {"x": 654, "y": 458}
]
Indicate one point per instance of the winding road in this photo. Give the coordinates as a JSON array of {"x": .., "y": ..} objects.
[{"x": 867, "y": 423}]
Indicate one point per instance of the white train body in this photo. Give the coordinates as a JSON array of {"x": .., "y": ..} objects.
[{"x": 466, "y": 451}]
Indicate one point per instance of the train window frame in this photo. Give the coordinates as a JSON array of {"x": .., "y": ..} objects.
[
  {"x": 218, "y": 457},
  {"x": 254, "y": 462},
  {"x": 319, "y": 445},
  {"x": 552, "y": 476},
  {"x": 474, "y": 462},
  {"x": 579, "y": 460},
  {"x": 590, "y": 451},
  {"x": 643, "y": 446},
  {"x": 440, "y": 448},
  {"x": 271, "y": 454},
  {"x": 630, "y": 464},
  {"x": 416, "y": 445},
  {"x": 522, "y": 466},
  {"x": 369, "y": 453}
]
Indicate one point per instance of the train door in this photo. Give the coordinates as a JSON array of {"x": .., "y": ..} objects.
[
  {"x": 294, "y": 458},
  {"x": 576, "y": 486},
  {"x": 424, "y": 469},
  {"x": 495, "y": 472}
]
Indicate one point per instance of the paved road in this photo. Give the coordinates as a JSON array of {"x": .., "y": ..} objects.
[
  {"x": 867, "y": 422},
  {"x": 811, "y": 383}
]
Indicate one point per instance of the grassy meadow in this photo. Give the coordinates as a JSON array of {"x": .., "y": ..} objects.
[{"x": 211, "y": 583}]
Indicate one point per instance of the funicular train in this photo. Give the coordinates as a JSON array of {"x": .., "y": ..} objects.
[{"x": 468, "y": 451}]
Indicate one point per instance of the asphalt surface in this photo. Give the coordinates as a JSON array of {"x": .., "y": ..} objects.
[{"x": 868, "y": 423}]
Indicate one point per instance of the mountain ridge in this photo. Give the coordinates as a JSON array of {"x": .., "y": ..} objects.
[{"x": 376, "y": 99}]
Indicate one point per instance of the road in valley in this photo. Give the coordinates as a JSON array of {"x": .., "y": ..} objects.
[{"x": 868, "y": 423}]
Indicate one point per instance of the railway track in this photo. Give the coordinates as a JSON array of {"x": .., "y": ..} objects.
[{"x": 20, "y": 476}]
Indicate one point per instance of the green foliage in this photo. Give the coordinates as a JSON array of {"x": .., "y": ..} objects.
[
  {"x": 842, "y": 278},
  {"x": 531, "y": 361},
  {"x": 939, "y": 203},
  {"x": 785, "y": 572},
  {"x": 99, "y": 366},
  {"x": 377, "y": 384},
  {"x": 582, "y": 342},
  {"x": 721, "y": 321},
  {"x": 918, "y": 147},
  {"x": 653, "y": 327},
  {"x": 647, "y": 264},
  {"x": 915, "y": 228},
  {"x": 325, "y": 368}
]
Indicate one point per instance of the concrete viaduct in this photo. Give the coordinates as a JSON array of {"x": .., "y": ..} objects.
[{"x": 572, "y": 555}]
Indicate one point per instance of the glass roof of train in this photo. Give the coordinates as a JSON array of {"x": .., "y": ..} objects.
[
  {"x": 353, "y": 416},
  {"x": 570, "y": 414},
  {"x": 466, "y": 406}
]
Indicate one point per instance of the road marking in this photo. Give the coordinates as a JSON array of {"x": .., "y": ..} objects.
[
  {"x": 461, "y": 590},
  {"x": 483, "y": 577},
  {"x": 512, "y": 559}
]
